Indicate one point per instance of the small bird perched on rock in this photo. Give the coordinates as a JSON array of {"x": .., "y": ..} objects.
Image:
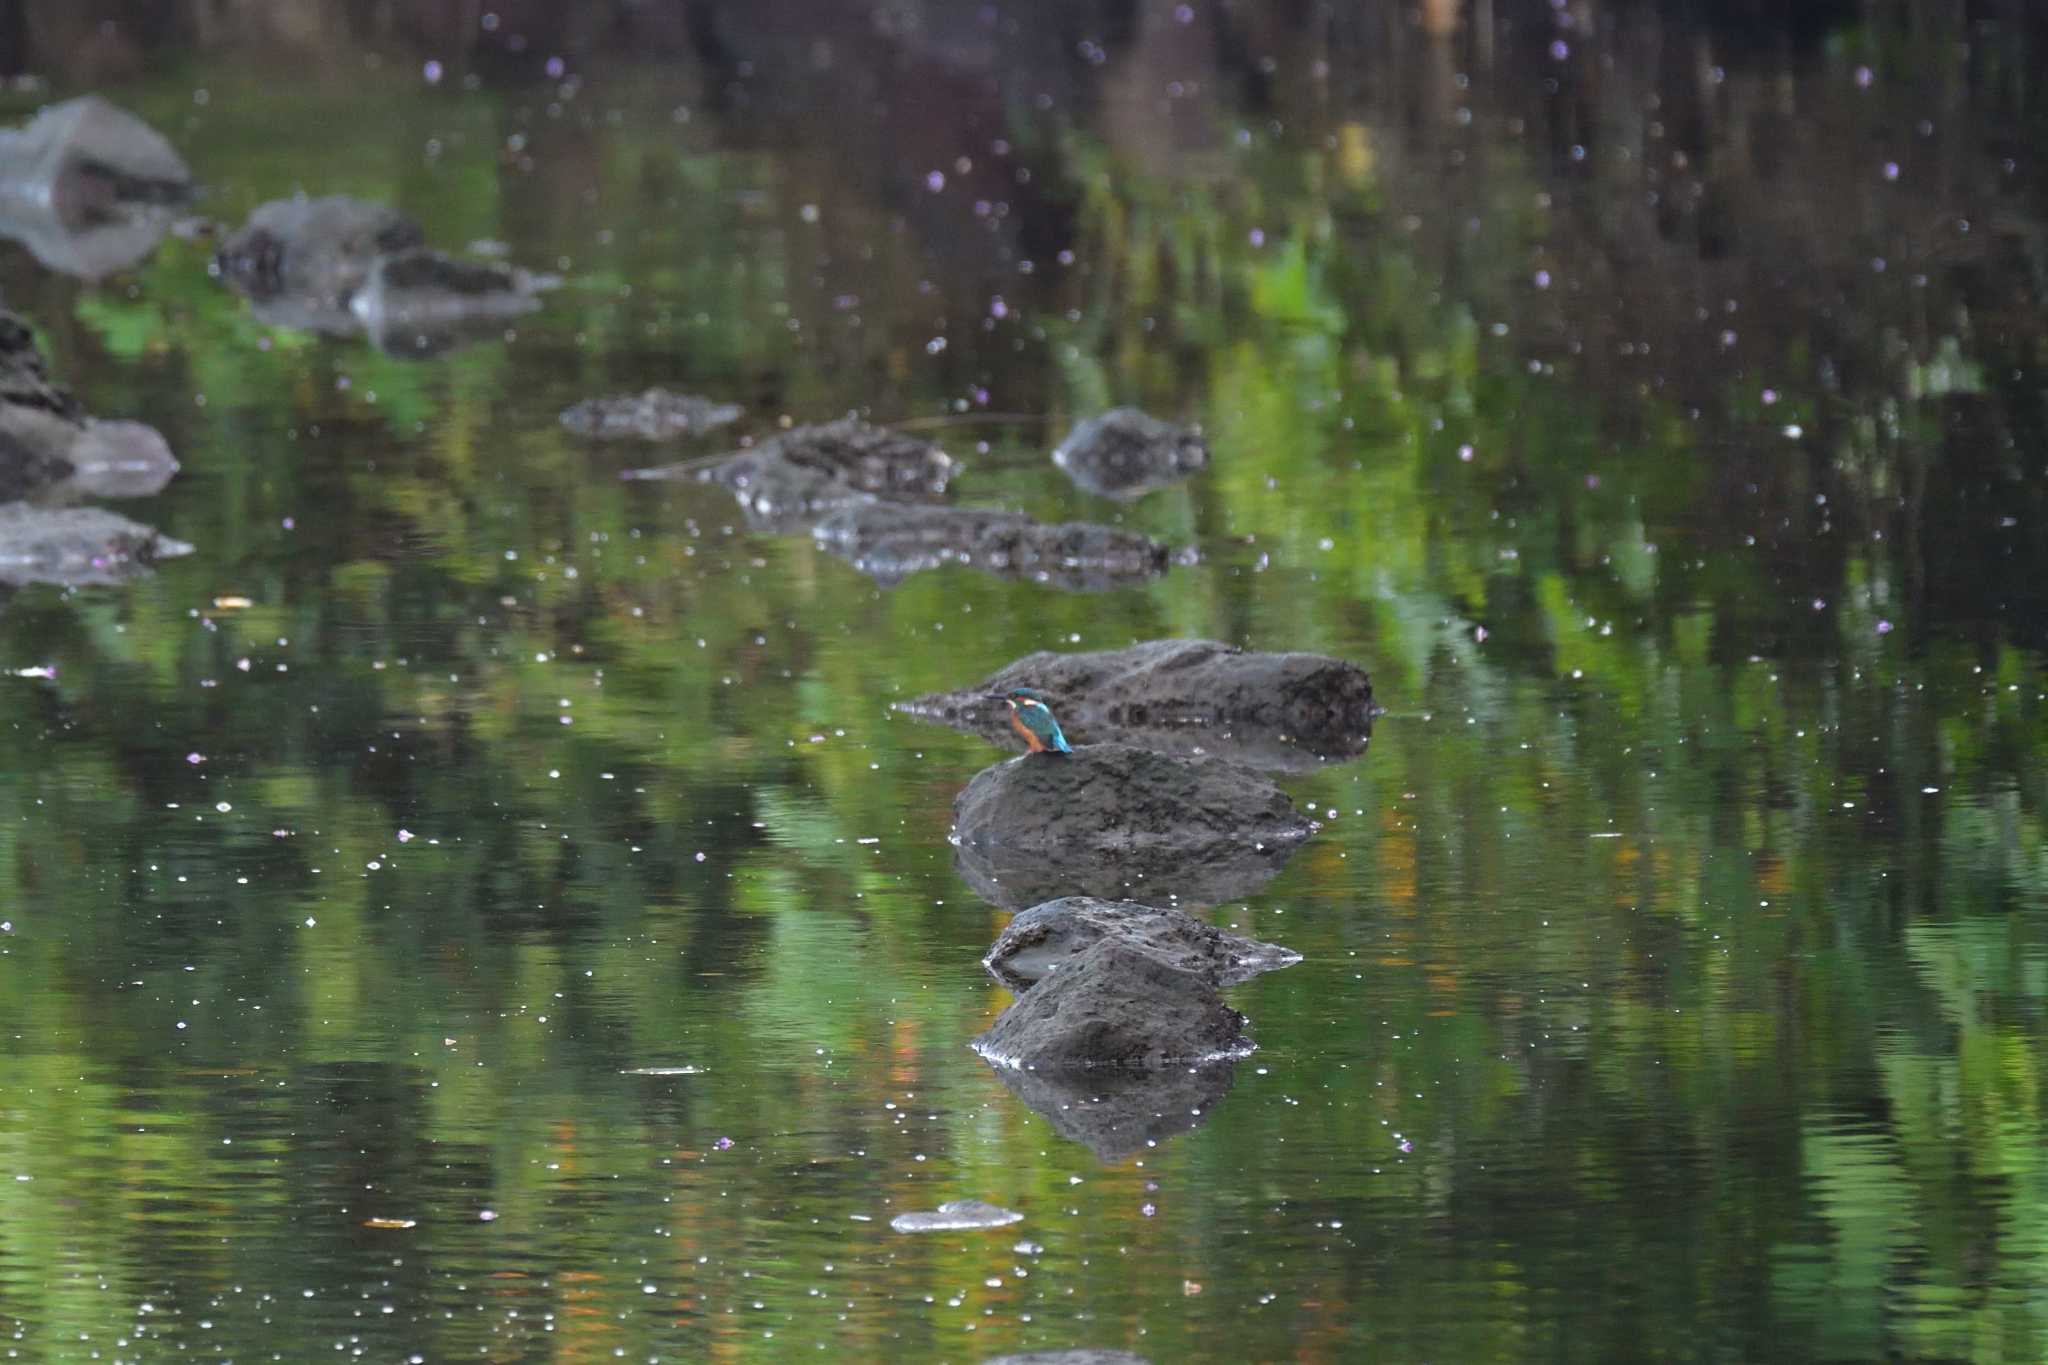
[{"x": 1033, "y": 719}]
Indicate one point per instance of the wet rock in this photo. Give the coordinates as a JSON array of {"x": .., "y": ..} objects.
[
  {"x": 783, "y": 499},
  {"x": 1278, "y": 712},
  {"x": 1116, "y": 1112},
  {"x": 1085, "y": 1355},
  {"x": 889, "y": 542},
  {"x": 1119, "y": 822},
  {"x": 342, "y": 267},
  {"x": 1039, "y": 940},
  {"x": 318, "y": 249},
  {"x": 49, "y": 442},
  {"x": 1124, "y": 453},
  {"x": 1114, "y": 1006},
  {"x": 313, "y": 254},
  {"x": 427, "y": 302},
  {"x": 788, "y": 483},
  {"x": 77, "y": 546},
  {"x": 26, "y": 469},
  {"x": 656, "y": 415},
  {"x": 89, "y": 188},
  {"x": 1118, "y": 796},
  {"x": 957, "y": 1215},
  {"x": 889, "y": 464}
]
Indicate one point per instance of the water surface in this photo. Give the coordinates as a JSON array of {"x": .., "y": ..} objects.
[{"x": 525, "y": 931}]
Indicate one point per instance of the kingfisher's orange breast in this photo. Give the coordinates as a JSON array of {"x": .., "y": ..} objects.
[{"x": 1017, "y": 724}]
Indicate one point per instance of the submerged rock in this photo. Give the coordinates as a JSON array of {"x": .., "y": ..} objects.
[
  {"x": 1117, "y": 1111},
  {"x": 957, "y": 1215},
  {"x": 314, "y": 254},
  {"x": 89, "y": 188},
  {"x": 656, "y": 415},
  {"x": 1042, "y": 939},
  {"x": 890, "y": 542},
  {"x": 49, "y": 442},
  {"x": 1281, "y": 712},
  {"x": 1119, "y": 822},
  {"x": 77, "y": 546},
  {"x": 1114, "y": 1006},
  {"x": 1124, "y": 453}
]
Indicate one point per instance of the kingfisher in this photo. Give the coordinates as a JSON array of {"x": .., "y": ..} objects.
[{"x": 1033, "y": 719}]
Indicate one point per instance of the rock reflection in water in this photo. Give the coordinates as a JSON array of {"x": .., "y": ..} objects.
[
  {"x": 89, "y": 188},
  {"x": 890, "y": 542},
  {"x": 1276, "y": 712},
  {"x": 1116, "y": 1112}
]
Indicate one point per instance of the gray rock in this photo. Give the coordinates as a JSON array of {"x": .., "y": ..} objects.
[
  {"x": 50, "y": 446},
  {"x": 426, "y": 302},
  {"x": 1279, "y": 712},
  {"x": 1124, "y": 453},
  {"x": 1118, "y": 822},
  {"x": 89, "y": 188},
  {"x": 890, "y": 464},
  {"x": 1116, "y": 1112},
  {"x": 313, "y": 253},
  {"x": 77, "y": 545},
  {"x": 788, "y": 483},
  {"x": 1039, "y": 940},
  {"x": 1114, "y": 1006},
  {"x": 890, "y": 542},
  {"x": 957, "y": 1215},
  {"x": 655, "y": 415}
]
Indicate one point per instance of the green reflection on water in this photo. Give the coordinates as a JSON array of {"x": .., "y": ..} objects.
[{"x": 1690, "y": 934}]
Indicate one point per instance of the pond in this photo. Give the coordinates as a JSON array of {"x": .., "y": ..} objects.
[{"x": 474, "y": 905}]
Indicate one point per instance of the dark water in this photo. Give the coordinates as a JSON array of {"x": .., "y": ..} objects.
[{"x": 1652, "y": 398}]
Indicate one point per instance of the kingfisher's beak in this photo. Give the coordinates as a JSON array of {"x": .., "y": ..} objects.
[{"x": 997, "y": 697}]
